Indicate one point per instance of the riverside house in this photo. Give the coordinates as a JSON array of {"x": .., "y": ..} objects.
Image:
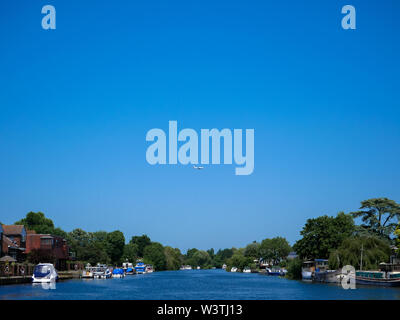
[
  {"x": 49, "y": 245},
  {"x": 13, "y": 241}
]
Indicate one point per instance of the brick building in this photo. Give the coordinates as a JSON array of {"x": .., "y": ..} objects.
[{"x": 13, "y": 240}]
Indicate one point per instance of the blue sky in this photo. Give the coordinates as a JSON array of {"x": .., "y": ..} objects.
[{"x": 76, "y": 103}]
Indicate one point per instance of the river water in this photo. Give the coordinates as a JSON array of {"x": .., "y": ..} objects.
[{"x": 193, "y": 285}]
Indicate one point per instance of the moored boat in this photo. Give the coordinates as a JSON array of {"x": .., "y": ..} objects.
[
  {"x": 246, "y": 270},
  {"x": 128, "y": 268},
  {"x": 88, "y": 272},
  {"x": 140, "y": 267},
  {"x": 101, "y": 271},
  {"x": 149, "y": 268},
  {"x": 118, "y": 273},
  {"x": 387, "y": 276},
  {"x": 44, "y": 272},
  {"x": 234, "y": 269}
]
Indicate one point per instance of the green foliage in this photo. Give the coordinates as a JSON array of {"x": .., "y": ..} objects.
[
  {"x": 379, "y": 216},
  {"x": 173, "y": 258},
  {"x": 222, "y": 257},
  {"x": 154, "y": 254},
  {"x": 115, "y": 246},
  {"x": 323, "y": 234},
  {"x": 252, "y": 250},
  {"x": 238, "y": 260},
  {"x": 38, "y": 222},
  {"x": 375, "y": 251},
  {"x": 274, "y": 250},
  {"x": 294, "y": 268},
  {"x": 142, "y": 242},
  {"x": 130, "y": 252},
  {"x": 200, "y": 258}
]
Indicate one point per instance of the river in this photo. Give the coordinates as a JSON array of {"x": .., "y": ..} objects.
[{"x": 193, "y": 285}]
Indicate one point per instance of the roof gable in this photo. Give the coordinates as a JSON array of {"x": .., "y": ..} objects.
[{"x": 14, "y": 230}]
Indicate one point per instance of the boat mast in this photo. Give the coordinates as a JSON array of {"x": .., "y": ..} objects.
[{"x": 362, "y": 249}]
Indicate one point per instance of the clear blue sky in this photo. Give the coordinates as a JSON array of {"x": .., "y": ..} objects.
[{"x": 76, "y": 103}]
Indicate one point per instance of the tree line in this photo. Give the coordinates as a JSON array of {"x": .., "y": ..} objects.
[{"x": 337, "y": 238}]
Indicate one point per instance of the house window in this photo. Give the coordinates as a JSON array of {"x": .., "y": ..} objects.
[{"x": 46, "y": 242}]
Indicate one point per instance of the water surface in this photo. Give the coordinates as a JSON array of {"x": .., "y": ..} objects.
[{"x": 193, "y": 285}]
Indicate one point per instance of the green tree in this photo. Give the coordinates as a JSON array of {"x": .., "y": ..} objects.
[
  {"x": 294, "y": 268},
  {"x": 379, "y": 216},
  {"x": 115, "y": 245},
  {"x": 374, "y": 251},
  {"x": 201, "y": 258},
  {"x": 142, "y": 242},
  {"x": 130, "y": 252},
  {"x": 154, "y": 254},
  {"x": 38, "y": 222},
  {"x": 252, "y": 250},
  {"x": 222, "y": 257},
  {"x": 238, "y": 260},
  {"x": 173, "y": 258},
  {"x": 323, "y": 234},
  {"x": 274, "y": 250}
]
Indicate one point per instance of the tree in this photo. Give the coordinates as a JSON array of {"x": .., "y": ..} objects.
[
  {"x": 173, "y": 258},
  {"x": 252, "y": 250},
  {"x": 201, "y": 258},
  {"x": 154, "y": 254},
  {"x": 294, "y": 268},
  {"x": 238, "y": 260},
  {"x": 38, "y": 222},
  {"x": 115, "y": 245},
  {"x": 323, "y": 234},
  {"x": 374, "y": 251},
  {"x": 130, "y": 252},
  {"x": 274, "y": 250},
  {"x": 142, "y": 242},
  {"x": 380, "y": 216},
  {"x": 222, "y": 257}
]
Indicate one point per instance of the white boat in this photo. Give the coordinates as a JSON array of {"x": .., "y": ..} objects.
[
  {"x": 88, "y": 272},
  {"x": 187, "y": 267},
  {"x": 128, "y": 268},
  {"x": 44, "y": 272},
  {"x": 101, "y": 271},
  {"x": 224, "y": 266},
  {"x": 198, "y": 268},
  {"x": 247, "y": 270},
  {"x": 140, "y": 267},
  {"x": 118, "y": 273},
  {"x": 149, "y": 268},
  {"x": 234, "y": 269}
]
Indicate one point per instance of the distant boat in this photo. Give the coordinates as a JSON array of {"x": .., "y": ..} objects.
[
  {"x": 128, "y": 268},
  {"x": 149, "y": 268},
  {"x": 247, "y": 270},
  {"x": 224, "y": 266},
  {"x": 307, "y": 270},
  {"x": 387, "y": 276},
  {"x": 101, "y": 271},
  {"x": 44, "y": 272},
  {"x": 234, "y": 269},
  {"x": 198, "y": 268},
  {"x": 88, "y": 272},
  {"x": 118, "y": 273},
  {"x": 276, "y": 272},
  {"x": 140, "y": 267}
]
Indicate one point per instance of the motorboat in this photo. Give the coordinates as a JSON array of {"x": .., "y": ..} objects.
[
  {"x": 118, "y": 273},
  {"x": 149, "y": 268},
  {"x": 198, "y": 268},
  {"x": 128, "y": 268},
  {"x": 224, "y": 266},
  {"x": 140, "y": 267},
  {"x": 234, "y": 269},
  {"x": 88, "y": 272},
  {"x": 44, "y": 272},
  {"x": 247, "y": 270},
  {"x": 101, "y": 271}
]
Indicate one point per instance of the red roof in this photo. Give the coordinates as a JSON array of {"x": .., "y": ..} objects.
[{"x": 13, "y": 229}]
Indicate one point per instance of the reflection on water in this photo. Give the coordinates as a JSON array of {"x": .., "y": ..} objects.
[
  {"x": 45, "y": 285},
  {"x": 193, "y": 285}
]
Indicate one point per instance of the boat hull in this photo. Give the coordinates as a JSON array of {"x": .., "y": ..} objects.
[
  {"x": 306, "y": 275},
  {"x": 378, "y": 282}
]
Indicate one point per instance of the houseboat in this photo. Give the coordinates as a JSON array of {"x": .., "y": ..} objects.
[
  {"x": 44, "y": 272},
  {"x": 140, "y": 267},
  {"x": 387, "y": 276},
  {"x": 314, "y": 267}
]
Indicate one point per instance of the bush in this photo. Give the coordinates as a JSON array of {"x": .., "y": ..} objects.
[{"x": 294, "y": 268}]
